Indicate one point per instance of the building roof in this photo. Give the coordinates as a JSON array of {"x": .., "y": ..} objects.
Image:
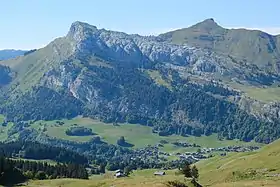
[
  {"x": 118, "y": 174},
  {"x": 159, "y": 173}
]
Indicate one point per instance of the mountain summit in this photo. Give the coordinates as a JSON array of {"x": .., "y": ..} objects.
[
  {"x": 255, "y": 47},
  {"x": 80, "y": 29},
  {"x": 206, "y": 26}
]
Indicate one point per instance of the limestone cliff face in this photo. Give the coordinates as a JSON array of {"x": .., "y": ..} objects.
[
  {"x": 142, "y": 51},
  {"x": 137, "y": 49}
]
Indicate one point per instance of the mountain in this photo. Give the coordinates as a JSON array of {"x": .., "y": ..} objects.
[
  {"x": 10, "y": 53},
  {"x": 181, "y": 89},
  {"x": 254, "y": 47}
]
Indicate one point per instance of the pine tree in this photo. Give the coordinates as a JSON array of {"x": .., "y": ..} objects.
[
  {"x": 194, "y": 172},
  {"x": 102, "y": 168},
  {"x": 186, "y": 170}
]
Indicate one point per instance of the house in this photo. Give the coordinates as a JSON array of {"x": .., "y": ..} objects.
[
  {"x": 119, "y": 173},
  {"x": 159, "y": 173}
]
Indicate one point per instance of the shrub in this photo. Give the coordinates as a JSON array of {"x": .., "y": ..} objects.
[{"x": 79, "y": 131}]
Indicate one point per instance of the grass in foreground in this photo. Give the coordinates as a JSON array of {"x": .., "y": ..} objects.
[
  {"x": 257, "y": 183},
  {"x": 144, "y": 178},
  {"x": 137, "y": 179}
]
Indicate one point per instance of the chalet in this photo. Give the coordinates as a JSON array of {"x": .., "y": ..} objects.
[
  {"x": 159, "y": 173},
  {"x": 119, "y": 173}
]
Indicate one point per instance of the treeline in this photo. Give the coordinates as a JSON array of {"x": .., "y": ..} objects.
[
  {"x": 35, "y": 150},
  {"x": 15, "y": 171},
  {"x": 216, "y": 88},
  {"x": 41, "y": 171}
]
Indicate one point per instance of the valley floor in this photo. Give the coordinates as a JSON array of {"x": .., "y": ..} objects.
[{"x": 232, "y": 170}]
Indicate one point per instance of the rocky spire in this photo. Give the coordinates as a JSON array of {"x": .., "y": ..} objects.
[{"x": 79, "y": 30}]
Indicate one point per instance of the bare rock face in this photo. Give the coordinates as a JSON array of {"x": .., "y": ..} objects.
[
  {"x": 141, "y": 50},
  {"x": 122, "y": 47}
]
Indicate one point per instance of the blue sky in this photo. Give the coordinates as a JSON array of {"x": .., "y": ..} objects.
[{"x": 26, "y": 24}]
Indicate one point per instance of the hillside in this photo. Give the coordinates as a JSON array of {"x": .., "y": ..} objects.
[
  {"x": 254, "y": 47},
  {"x": 262, "y": 165},
  {"x": 253, "y": 169}
]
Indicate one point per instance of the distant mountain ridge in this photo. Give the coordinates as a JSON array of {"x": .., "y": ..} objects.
[
  {"x": 255, "y": 47},
  {"x": 181, "y": 86},
  {"x": 10, "y": 53}
]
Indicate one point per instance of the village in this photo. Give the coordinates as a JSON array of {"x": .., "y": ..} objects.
[{"x": 155, "y": 153}]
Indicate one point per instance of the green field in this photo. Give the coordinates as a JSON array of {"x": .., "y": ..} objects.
[
  {"x": 268, "y": 94},
  {"x": 138, "y": 135},
  {"x": 271, "y": 94}
]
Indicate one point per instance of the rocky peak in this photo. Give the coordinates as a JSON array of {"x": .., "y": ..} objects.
[
  {"x": 136, "y": 49},
  {"x": 79, "y": 30},
  {"x": 207, "y": 25}
]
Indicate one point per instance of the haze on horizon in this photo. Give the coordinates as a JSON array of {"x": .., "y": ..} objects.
[{"x": 33, "y": 24}]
